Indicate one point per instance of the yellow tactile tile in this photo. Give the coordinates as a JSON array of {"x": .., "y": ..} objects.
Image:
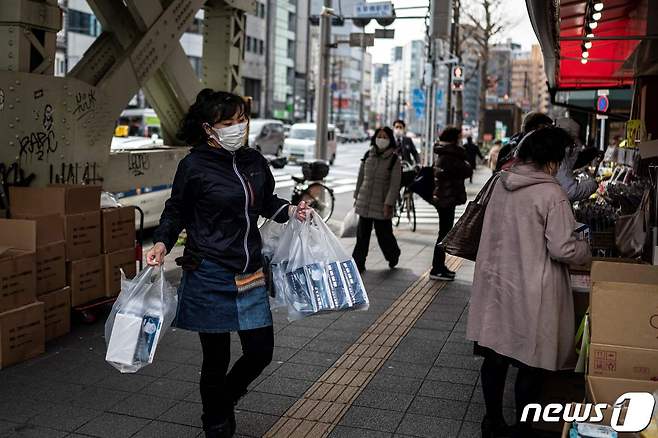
[{"x": 323, "y": 405}]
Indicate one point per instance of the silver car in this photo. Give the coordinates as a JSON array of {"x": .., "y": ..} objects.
[{"x": 267, "y": 136}]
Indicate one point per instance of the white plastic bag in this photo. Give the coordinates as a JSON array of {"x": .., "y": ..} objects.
[
  {"x": 141, "y": 315},
  {"x": 350, "y": 224},
  {"x": 312, "y": 273}
]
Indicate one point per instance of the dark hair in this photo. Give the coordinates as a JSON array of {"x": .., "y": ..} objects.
[
  {"x": 469, "y": 139},
  {"x": 400, "y": 121},
  {"x": 545, "y": 145},
  {"x": 535, "y": 120},
  {"x": 450, "y": 134},
  {"x": 389, "y": 134},
  {"x": 210, "y": 107}
]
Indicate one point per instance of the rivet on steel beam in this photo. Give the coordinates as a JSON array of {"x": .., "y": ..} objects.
[
  {"x": 11, "y": 125},
  {"x": 11, "y": 88}
]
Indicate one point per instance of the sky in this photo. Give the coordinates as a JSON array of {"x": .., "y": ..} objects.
[{"x": 411, "y": 29}]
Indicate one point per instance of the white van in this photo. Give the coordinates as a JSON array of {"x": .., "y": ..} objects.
[{"x": 300, "y": 144}]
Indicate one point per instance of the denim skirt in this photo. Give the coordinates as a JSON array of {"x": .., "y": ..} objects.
[{"x": 209, "y": 302}]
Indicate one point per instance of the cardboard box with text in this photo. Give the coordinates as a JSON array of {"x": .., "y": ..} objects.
[
  {"x": 51, "y": 267},
  {"x": 22, "y": 334},
  {"x": 87, "y": 280},
  {"x": 50, "y": 228},
  {"x": 18, "y": 266},
  {"x": 83, "y": 235},
  {"x": 623, "y": 362},
  {"x": 57, "y": 312},
  {"x": 114, "y": 262},
  {"x": 59, "y": 199},
  {"x": 118, "y": 228},
  {"x": 624, "y": 305}
]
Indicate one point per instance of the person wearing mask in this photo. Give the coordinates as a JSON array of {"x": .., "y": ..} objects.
[
  {"x": 451, "y": 168},
  {"x": 220, "y": 189},
  {"x": 507, "y": 154},
  {"x": 377, "y": 189},
  {"x": 472, "y": 154},
  {"x": 578, "y": 189},
  {"x": 405, "y": 147},
  {"x": 521, "y": 308}
]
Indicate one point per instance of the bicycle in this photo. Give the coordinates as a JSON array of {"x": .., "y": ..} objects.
[
  {"x": 316, "y": 195},
  {"x": 405, "y": 203}
]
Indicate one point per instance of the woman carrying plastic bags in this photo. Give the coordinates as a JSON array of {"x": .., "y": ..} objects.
[{"x": 219, "y": 191}]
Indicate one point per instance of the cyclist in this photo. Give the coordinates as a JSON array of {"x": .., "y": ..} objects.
[{"x": 404, "y": 146}]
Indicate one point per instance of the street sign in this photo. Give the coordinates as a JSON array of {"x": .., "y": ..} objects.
[
  {"x": 602, "y": 103},
  {"x": 373, "y": 10},
  {"x": 385, "y": 33},
  {"x": 418, "y": 102},
  {"x": 439, "y": 98},
  {"x": 362, "y": 39}
]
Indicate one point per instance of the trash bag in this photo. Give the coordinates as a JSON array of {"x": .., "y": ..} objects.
[
  {"x": 141, "y": 315},
  {"x": 313, "y": 274},
  {"x": 350, "y": 224}
]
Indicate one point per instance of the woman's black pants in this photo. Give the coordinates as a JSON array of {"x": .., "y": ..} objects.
[
  {"x": 385, "y": 237},
  {"x": 219, "y": 390},
  {"x": 527, "y": 388},
  {"x": 446, "y": 221}
]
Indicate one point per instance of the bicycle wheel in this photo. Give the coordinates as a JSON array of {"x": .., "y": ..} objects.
[
  {"x": 320, "y": 198},
  {"x": 411, "y": 211}
]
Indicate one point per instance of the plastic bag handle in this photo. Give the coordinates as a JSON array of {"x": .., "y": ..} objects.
[{"x": 162, "y": 287}]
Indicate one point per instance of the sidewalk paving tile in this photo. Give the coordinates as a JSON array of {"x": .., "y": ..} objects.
[
  {"x": 430, "y": 427},
  {"x": 110, "y": 425},
  {"x": 405, "y": 369},
  {"x": 265, "y": 403},
  {"x": 370, "y": 418},
  {"x": 454, "y": 375},
  {"x": 143, "y": 406},
  {"x": 185, "y": 413},
  {"x": 63, "y": 417},
  {"x": 393, "y": 383},
  {"x": 438, "y": 407},
  {"x": 447, "y": 390},
  {"x": 300, "y": 371},
  {"x": 253, "y": 424},
  {"x": 159, "y": 429},
  {"x": 284, "y": 386},
  {"x": 29, "y": 431},
  {"x": 373, "y": 398},
  {"x": 170, "y": 388},
  {"x": 353, "y": 432}
]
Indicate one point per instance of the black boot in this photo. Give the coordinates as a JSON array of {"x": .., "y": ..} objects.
[
  {"x": 223, "y": 430},
  {"x": 495, "y": 429}
]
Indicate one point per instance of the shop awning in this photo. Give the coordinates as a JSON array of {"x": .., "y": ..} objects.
[{"x": 562, "y": 30}]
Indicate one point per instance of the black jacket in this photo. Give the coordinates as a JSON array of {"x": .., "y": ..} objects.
[
  {"x": 406, "y": 150},
  {"x": 451, "y": 168},
  {"x": 217, "y": 197},
  {"x": 472, "y": 152}
]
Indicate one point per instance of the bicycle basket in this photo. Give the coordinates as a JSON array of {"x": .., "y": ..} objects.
[{"x": 315, "y": 171}]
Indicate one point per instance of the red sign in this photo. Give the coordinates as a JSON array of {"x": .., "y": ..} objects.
[{"x": 602, "y": 104}]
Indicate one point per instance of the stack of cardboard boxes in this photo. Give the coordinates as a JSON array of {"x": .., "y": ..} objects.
[
  {"x": 59, "y": 250},
  {"x": 623, "y": 354}
]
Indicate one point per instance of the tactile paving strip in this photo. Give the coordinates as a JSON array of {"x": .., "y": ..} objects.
[{"x": 323, "y": 405}]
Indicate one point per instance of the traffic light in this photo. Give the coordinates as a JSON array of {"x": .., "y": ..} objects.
[{"x": 457, "y": 78}]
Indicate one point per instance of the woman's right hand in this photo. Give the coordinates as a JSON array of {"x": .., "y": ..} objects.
[{"x": 155, "y": 256}]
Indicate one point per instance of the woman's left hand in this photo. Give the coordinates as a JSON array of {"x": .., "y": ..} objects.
[{"x": 303, "y": 211}]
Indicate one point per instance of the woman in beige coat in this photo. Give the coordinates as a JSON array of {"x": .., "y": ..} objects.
[
  {"x": 377, "y": 190},
  {"x": 521, "y": 308}
]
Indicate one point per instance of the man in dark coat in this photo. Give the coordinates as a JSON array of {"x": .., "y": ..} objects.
[
  {"x": 405, "y": 147},
  {"x": 472, "y": 153},
  {"x": 451, "y": 168}
]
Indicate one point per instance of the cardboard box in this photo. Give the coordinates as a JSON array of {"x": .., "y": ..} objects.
[
  {"x": 87, "y": 280},
  {"x": 22, "y": 334},
  {"x": 51, "y": 267},
  {"x": 50, "y": 228},
  {"x": 623, "y": 362},
  {"x": 118, "y": 228},
  {"x": 114, "y": 262},
  {"x": 83, "y": 235},
  {"x": 57, "y": 312},
  {"x": 18, "y": 265},
  {"x": 59, "y": 199},
  {"x": 624, "y": 305},
  {"x": 608, "y": 390}
]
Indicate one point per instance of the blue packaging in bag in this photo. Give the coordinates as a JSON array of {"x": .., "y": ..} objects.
[
  {"x": 300, "y": 296},
  {"x": 319, "y": 287},
  {"x": 353, "y": 282},
  {"x": 148, "y": 338},
  {"x": 338, "y": 287}
]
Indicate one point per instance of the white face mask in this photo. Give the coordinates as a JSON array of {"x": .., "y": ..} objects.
[
  {"x": 231, "y": 138},
  {"x": 382, "y": 143},
  {"x": 398, "y": 132}
]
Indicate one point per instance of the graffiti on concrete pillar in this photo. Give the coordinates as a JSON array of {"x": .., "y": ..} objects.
[
  {"x": 75, "y": 173},
  {"x": 39, "y": 144}
]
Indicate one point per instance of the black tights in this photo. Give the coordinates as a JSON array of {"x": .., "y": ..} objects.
[
  {"x": 220, "y": 391},
  {"x": 493, "y": 374}
]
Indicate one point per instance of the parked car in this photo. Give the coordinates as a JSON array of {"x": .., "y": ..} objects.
[
  {"x": 300, "y": 144},
  {"x": 267, "y": 136}
]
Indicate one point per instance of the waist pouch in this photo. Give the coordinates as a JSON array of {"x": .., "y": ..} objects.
[{"x": 247, "y": 282}]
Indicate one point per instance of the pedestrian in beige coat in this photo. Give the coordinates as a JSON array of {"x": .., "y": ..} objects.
[
  {"x": 377, "y": 190},
  {"x": 521, "y": 307}
]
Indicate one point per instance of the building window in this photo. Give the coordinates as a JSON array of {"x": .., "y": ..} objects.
[
  {"x": 261, "y": 9},
  {"x": 81, "y": 22},
  {"x": 248, "y": 44},
  {"x": 291, "y": 49},
  {"x": 260, "y": 47},
  {"x": 291, "y": 76},
  {"x": 292, "y": 22}
]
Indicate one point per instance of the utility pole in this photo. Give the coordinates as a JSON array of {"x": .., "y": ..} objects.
[
  {"x": 397, "y": 114},
  {"x": 459, "y": 96},
  {"x": 332, "y": 116},
  {"x": 340, "y": 92},
  {"x": 322, "y": 87},
  {"x": 386, "y": 103}
]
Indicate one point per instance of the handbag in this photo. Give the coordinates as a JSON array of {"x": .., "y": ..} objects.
[
  {"x": 631, "y": 230},
  {"x": 423, "y": 184},
  {"x": 463, "y": 239}
]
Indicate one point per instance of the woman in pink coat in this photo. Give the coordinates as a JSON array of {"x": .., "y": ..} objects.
[{"x": 521, "y": 309}]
